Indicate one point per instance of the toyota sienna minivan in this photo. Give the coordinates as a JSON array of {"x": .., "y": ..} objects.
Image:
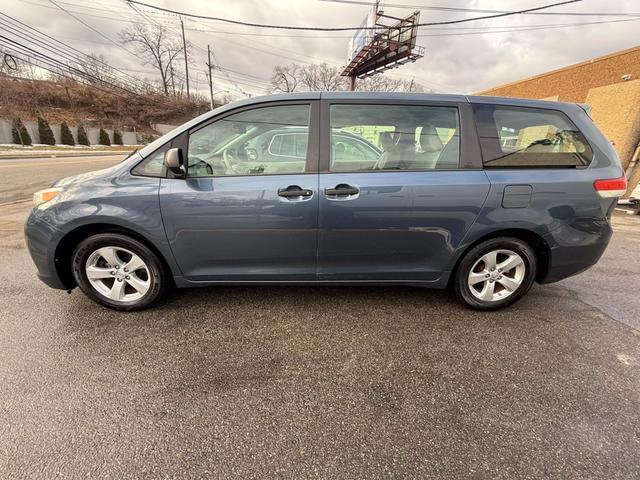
[{"x": 483, "y": 195}]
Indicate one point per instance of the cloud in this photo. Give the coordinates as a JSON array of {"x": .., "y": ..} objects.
[{"x": 455, "y": 63}]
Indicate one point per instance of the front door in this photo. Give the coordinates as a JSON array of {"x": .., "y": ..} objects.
[
  {"x": 402, "y": 215},
  {"x": 248, "y": 209}
]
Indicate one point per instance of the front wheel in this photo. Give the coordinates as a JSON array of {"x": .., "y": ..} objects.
[
  {"x": 118, "y": 271},
  {"x": 496, "y": 273}
]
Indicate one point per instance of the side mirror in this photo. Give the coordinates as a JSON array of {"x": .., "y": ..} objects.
[{"x": 174, "y": 162}]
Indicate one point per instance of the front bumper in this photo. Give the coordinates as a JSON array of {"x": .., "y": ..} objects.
[{"x": 42, "y": 240}]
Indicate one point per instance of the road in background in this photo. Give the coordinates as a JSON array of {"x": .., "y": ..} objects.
[
  {"x": 19, "y": 178},
  {"x": 317, "y": 382}
]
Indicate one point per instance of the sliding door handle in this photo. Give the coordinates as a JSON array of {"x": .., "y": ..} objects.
[
  {"x": 342, "y": 190},
  {"x": 294, "y": 191}
]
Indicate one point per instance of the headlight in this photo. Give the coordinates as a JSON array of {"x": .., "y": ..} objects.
[{"x": 43, "y": 197}]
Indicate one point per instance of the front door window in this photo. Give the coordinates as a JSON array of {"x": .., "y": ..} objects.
[{"x": 262, "y": 141}]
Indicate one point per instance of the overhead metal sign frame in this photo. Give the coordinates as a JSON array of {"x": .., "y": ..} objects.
[{"x": 379, "y": 47}]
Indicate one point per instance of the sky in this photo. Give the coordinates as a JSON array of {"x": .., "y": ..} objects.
[{"x": 463, "y": 58}]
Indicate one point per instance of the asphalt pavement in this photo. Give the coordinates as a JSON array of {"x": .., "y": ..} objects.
[
  {"x": 320, "y": 382},
  {"x": 19, "y": 178}
]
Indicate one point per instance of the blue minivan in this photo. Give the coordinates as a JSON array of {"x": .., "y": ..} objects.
[{"x": 483, "y": 195}]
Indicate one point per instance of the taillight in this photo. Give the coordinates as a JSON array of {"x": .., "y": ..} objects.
[{"x": 613, "y": 187}]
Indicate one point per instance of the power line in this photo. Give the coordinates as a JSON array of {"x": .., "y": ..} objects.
[
  {"x": 65, "y": 48},
  {"x": 218, "y": 65},
  {"x": 53, "y": 63},
  {"x": 95, "y": 30},
  {"x": 80, "y": 13},
  {"x": 57, "y": 68},
  {"x": 110, "y": 40},
  {"x": 60, "y": 65},
  {"x": 479, "y": 10},
  {"x": 502, "y": 29},
  {"x": 253, "y": 34},
  {"x": 338, "y": 29},
  {"x": 53, "y": 50},
  {"x": 525, "y": 29},
  {"x": 452, "y": 30},
  {"x": 67, "y": 52},
  {"x": 56, "y": 72}
]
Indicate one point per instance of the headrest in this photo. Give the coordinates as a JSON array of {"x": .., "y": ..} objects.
[
  {"x": 430, "y": 140},
  {"x": 386, "y": 140}
]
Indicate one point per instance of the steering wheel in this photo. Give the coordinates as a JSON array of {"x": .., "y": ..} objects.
[
  {"x": 229, "y": 157},
  {"x": 198, "y": 165}
]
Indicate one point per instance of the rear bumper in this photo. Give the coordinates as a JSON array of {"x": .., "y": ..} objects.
[
  {"x": 576, "y": 247},
  {"x": 41, "y": 239}
]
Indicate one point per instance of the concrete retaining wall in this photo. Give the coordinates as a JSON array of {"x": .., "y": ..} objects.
[
  {"x": 128, "y": 138},
  {"x": 163, "y": 127},
  {"x": 5, "y": 132}
]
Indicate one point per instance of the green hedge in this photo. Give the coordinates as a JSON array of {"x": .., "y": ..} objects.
[
  {"x": 46, "y": 135},
  {"x": 65, "y": 135},
  {"x": 104, "y": 137},
  {"x": 82, "y": 136},
  {"x": 117, "y": 137},
  {"x": 20, "y": 133}
]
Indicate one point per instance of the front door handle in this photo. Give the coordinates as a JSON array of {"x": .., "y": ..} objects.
[
  {"x": 294, "y": 191},
  {"x": 342, "y": 189}
]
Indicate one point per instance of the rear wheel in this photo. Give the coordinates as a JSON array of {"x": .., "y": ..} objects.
[
  {"x": 118, "y": 271},
  {"x": 495, "y": 273}
]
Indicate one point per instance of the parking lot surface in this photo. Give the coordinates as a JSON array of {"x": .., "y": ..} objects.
[{"x": 321, "y": 382}]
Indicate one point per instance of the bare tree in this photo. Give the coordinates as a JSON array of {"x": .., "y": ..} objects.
[
  {"x": 380, "y": 83},
  {"x": 324, "y": 77},
  {"x": 96, "y": 70},
  {"x": 285, "y": 79},
  {"x": 159, "y": 48}
]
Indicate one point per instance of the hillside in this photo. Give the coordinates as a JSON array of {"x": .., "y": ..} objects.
[{"x": 75, "y": 103}]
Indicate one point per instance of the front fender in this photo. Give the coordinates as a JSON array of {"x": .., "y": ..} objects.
[{"x": 126, "y": 202}]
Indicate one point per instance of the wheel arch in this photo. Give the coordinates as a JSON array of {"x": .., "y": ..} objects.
[
  {"x": 540, "y": 248},
  {"x": 71, "y": 239}
]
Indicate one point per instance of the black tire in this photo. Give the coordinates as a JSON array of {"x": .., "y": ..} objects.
[
  {"x": 157, "y": 276},
  {"x": 461, "y": 282}
]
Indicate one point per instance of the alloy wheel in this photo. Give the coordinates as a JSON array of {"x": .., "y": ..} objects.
[
  {"x": 118, "y": 274},
  {"x": 496, "y": 275}
]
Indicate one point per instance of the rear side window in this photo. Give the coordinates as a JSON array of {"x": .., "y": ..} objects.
[
  {"x": 393, "y": 137},
  {"x": 514, "y": 137}
]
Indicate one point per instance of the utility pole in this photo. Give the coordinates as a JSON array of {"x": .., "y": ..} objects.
[
  {"x": 210, "y": 77},
  {"x": 186, "y": 60}
]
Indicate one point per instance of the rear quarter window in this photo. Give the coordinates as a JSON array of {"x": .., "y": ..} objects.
[{"x": 519, "y": 137}]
